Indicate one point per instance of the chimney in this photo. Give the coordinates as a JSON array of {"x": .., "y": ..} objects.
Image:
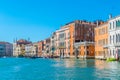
[{"x": 110, "y": 16}]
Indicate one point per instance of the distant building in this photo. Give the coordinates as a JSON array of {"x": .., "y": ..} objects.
[
  {"x": 31, "y": 50},
  {"x": 40, "y": 48},
  {"x": 19, "y": 47},
  {"x": 46, "y": 48},
  {"x": 6, "y": 49},
  {"x": 53, "y": 44}
]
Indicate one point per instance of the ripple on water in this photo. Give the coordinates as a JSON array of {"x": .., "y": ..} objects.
[{"x": 58, "y": 69}]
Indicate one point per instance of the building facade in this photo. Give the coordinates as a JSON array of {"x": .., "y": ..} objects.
[
  {"x": 63, "y": 41},
  {"x": 71, "y": 37},
  {"x": 6, "y": 49},
  {"x": 101, "y": 41},
  {"x": 48, "y": 47},
  {"x": 53, "y": 45},
  {"x": 19, "y": 47},
  {"x": 84, "y": 39},
  {"x": 40, "y": 48},
  {"x": 114, "y": 37},
  {"x": 31, "y": 50}
]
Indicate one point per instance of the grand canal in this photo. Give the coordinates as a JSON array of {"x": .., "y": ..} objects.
[{"x": 58, "y": 69}]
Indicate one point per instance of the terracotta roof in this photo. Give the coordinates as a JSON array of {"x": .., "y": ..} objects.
[
  {"x": 2, "y": 42},
  {"x": 23, "y": 41}
]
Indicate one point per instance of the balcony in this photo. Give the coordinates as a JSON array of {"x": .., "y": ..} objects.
[
  {"x": 117, "y": 44},
  {"x": 105, "y": 46},
  {"x": 83, "y": 43}
]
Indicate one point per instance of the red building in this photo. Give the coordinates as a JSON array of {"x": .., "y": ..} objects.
[{"x": 40, "y": 48}]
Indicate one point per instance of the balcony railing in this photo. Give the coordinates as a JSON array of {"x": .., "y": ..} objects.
[
  {"x": 117, "y": 44},
  {"x": 105, "y": 46}
]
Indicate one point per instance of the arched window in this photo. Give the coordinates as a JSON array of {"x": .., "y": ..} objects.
[
  {"x": 110, "y": 39},
  {"x": 110, "y": 26},
  {"x": 113, "y": 52},
  {"x": 113, "y": 38},
  {"x": 113, "y": 24},
  {"x": 118, "y": 37},
  {"x": 110, "y": 53}
]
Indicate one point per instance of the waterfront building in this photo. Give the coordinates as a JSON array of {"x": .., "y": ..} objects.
[
  {"x": 19, "y": 47},
  {"x": 31, "y": 50},
  {"x": 45, "y": 48},
  {"x": 6, "y": 49},
  {"x": 71, "y": 37},
  {"x": 53, "y": 44},
  {"x": 114, "y": 37},
  {"x": 84, "y": 39},
  {"x": 76, "y": 39},
  {"x": 101, "y": 41},
  {"x": 40, "y": 48},
  {"x": 63, "y": 41}
]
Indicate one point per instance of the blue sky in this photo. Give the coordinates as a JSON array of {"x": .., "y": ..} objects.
[{"x": 37, "y": 19}]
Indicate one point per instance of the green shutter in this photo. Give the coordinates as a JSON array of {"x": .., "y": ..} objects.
[{"x": 118, "y": 24}]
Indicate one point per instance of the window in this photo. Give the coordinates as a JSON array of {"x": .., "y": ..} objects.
[
  {"x": 87, "y": 47},
  {"x": 110, "y": 25},
  {"x": 113, "y": 52},
  {"x": 116, "y": 38},
  {"x": 106, "y": 30},
  {"x": 61, "y": 35},
  {"x": 106, "y": 41},
  {"x": 118, "y": 23},
  {"x": 113, "y": 25},
  {"x": 87, "y": 52},
  {"x": 110, "y": 52},
  {"x": 103, "y": 41},
  {"x": 110, "y": 39},
  {"x": 113, "y": 38}
]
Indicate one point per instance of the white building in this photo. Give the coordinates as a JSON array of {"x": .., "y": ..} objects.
[
  {"x": 52, "y": 43},
  {"x": 19, "y": 47},
  {"x": 30, "y": 50},
  {"x": 63, "y": 41},
  {"x": 114, "y": 37},
  {"x": 6, "y": 49}
]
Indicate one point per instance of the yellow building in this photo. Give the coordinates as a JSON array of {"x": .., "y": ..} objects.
[
  {"x": 81, "y": 39},
  {"x": 85, "y": 49},
  {"x": 89, "y": 51},
  {"x": 71, "y": 37},
  {"x": 72, "y": 30},
  {"x": 101, "y": 41}
]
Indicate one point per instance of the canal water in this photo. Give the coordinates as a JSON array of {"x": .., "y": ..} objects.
[{"x": 58, "y": 69}]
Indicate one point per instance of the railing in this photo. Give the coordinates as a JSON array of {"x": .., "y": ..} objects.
[
  {"x": 83, "y": 43},
  {"x": 117, "y": 44},
  {"x": 105, "y": 46}
]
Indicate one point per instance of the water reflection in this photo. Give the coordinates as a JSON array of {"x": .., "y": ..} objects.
[
  {"x": 107, "y": 70},
  {"x": 58, "y": 69},
  {"x": 89, "y": 69},
  {"x": 81, "y": 63}
]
